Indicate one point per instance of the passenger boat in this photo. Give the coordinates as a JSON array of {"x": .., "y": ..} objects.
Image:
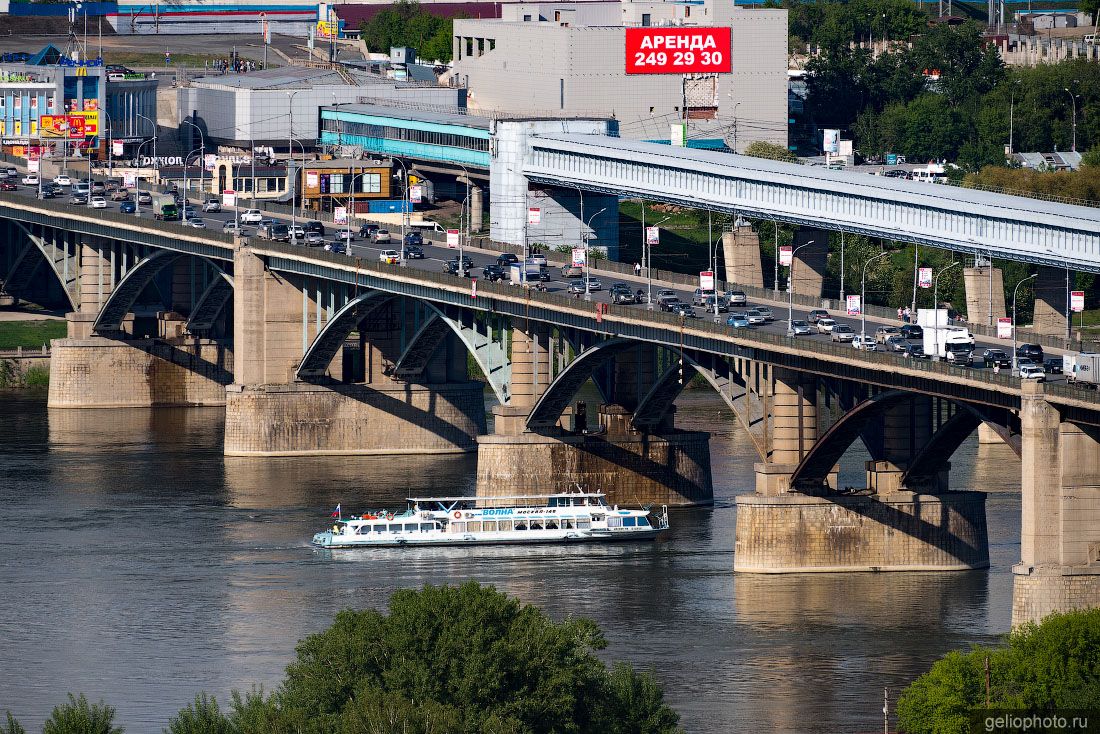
[{"x": 569, "y": 517}]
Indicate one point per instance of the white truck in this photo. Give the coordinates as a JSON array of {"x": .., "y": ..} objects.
[
  {"x": 533, "y": 272},
  {"x": 941, "y": 341},
  {"x": 1083, "y": 367}
]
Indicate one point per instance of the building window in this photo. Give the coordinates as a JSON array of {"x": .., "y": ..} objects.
[
  {"x": 687, "y": 11},
  {"x": 527, "y": 18},
  {"x": 557, "y": 15},
  {"x": 647, "y": 19}
]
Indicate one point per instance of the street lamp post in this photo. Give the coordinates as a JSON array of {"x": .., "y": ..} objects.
[
  {"x": 156, "y": 163},
  {"x": 648, "y": 259},
  {"x": 587, "y": 265},
  {"x": 292, "y": 186},
  {"x": 863, "y": 301},
  {"x": 790, "y": 287},
  {"x": 404, "y": 212},
  {"x": 202, "y": 166},
  {"x": 1011, "y": 113},
  {"x": 936, "y": 304},
  {"x": 185, "y": 159},
  {"x": 1073, "y": 105},
  {"x": 290, "y": 157},
  {"x": 137, "y": 181},
  {"x": 465, "y": 208},
  {"x": 1015, "y": 363}
]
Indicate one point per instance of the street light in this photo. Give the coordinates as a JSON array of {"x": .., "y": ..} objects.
[
  {"x": 790, "y": 288},
  {"x": 156, "y": 164},
  {"x": 292, "y": 186},
  {"x": 137, "y": 181},
  {"x": 863, "y": 301},
  {"x": 1015, "y": 363},
  {"x": 936, "y": 304},
  {"x": 1011, "y": 113},
  {"x": 587, "y": 266},
  {"x": 290, "y": 158},
  {"x": 1073, "y": 104},
  {"x": 404, "y": 212},
  {"x": 202, "y": 167},
  {"x": 648, "y": 258},
  {"x": 467, "y": 209},
  {"x": 185, "y": 189}
]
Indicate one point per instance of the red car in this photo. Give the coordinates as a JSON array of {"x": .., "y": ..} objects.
[{"x": 8, "y": 186}]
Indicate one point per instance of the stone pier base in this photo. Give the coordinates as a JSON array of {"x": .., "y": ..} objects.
[
  {"x": 902, "y": 531},
  {"x": 671, "y": 469},
  {"x": 303, "y": 419},
  {"x": 97, "y": 372},
  {"x": 1037, "y": 592}
]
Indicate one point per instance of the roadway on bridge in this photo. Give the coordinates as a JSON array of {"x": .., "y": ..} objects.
[{"x": 435, "y": 257}]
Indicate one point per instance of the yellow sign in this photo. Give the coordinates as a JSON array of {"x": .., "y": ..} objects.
[
  {"x": 54, "y": 126},
  {"x": 91, "y": 122}
]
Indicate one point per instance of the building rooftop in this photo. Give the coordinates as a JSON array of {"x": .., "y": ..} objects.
[
  {"x": 418, "y": 115},
  {"x": 293, "y": 77},
  {"x": 346, "y": 163}
]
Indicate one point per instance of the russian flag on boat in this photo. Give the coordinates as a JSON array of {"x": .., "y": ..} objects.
[{"x": 336, "y": 512}]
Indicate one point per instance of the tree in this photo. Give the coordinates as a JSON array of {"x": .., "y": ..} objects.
[
  {"x": 771, "y": 151},
  {"x": 11, "y": 726},
  {"x": 79, "y": 717},
  {"x": 1055, "y": 664},
  {"x": 405, "y": 24},
  {"x": 200, "y": 717}
]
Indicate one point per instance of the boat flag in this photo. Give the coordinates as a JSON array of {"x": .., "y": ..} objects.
[{"x": 336, "y": 512}]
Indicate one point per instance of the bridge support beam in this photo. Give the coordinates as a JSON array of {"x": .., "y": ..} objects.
[
  {"x": 741, "y": 248},
  {"x": 979, "y": 283},
  {"x": 477, "y": 208},
  {"x": 906, "y": 428},
  {"x": 531, "y": 375},
  {"x": 1051, "y": 307},
  {"x": 811, "y": 262},
  {"x": 1059, "y": 567},
  {"x": 794, "y": 430}
]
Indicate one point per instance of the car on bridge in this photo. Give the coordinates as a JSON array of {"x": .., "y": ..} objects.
[
  {"x": 212, "y": 205},
  {"x": 914, "y": 351},
  {"x": 816, "y": 315},
  {"x": 505, "y": 259},
  {"x": 861, "y": 342},
  {"x": 723, "y": 304},
  {"x": 366, "y": 230},
  {"x": 414, "y": 252},
  {"x": 883, "y": 333},
  {"x": 911, "y": 331},
  {"x": 232, "y": 227},
  {"x": 755, "y": 317},
  {"x": 31, "y": 179},
  {"x": 8, "y": 186},
  {"x": 144, "y": 197},
  {"x": 799, "y": 327},
  {"x": 896, "y": 343},
  {"x": 314, "y": 226},
  {"x": 120, "y": 195},
  {"x": 700, "y": 296},
  {"x": 825, "y": 326},
  {"x": 842, "y": 333},
  {"x": 493, "y": 273},
  {"x": 380, "y": 236},
  {"x": 414, "y": 238},
  {"x": 621, "y": 293},
  {"x": 766, "y": 313},
  {"x": 127, "y": 207},
  {"x": 98, "y": 187},
  {"x": 390, "y": 257},
  {"x": 571, "y": 271},
  {"x": 313, "y": 239},
  {"x": 736, "y": 298},
  {"x": 1032, "y": 372},
  {"x": 337, "y": 247},
  {"x": 62, "y": 180},
  {"x": 996, "y": 357},
  {"x": 345, "y": 235},
  {"x": 98, "y": 202},
  {"x": 196, "y": 223},
  {"x": 78, "y": 199},
  {"x": 684, "y": 310},
  {"x": 249, "y": 216},
  {"x": 1032, "y": 352},
  {"x": 594, "y": 285},
  {"x": 738, "y": 320}
]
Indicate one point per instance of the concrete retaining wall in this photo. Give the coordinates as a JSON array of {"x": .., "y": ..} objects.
[
  {"x": 672, "y": 469},
  {"x": 908, "y": 532},
  {"x": 1039, "y": 592},
  {"x": 107, "y": 373},
  {"x": 303, "y": 419}
]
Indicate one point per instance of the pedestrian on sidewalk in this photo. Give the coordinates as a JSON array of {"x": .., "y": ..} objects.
[
  {"x": 637, "y": 269},
  {"x": 901, "y": 312}
]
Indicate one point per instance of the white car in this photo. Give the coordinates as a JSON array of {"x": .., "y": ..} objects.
[
  {"x": 843, "y": 333},
  {"x": 1033, "y": 372},
  {"x": 390, "y": 257},
  {"x": 31, "y": 179},
  {"x": 252, "y": 216},
  {"x": 98, "y": 202},
  {"x": 865, "y": 343},
  {"x": 380, "y": 235},
  {"x": 825, "y": 326},
  {"x": 63, "y": 180}
]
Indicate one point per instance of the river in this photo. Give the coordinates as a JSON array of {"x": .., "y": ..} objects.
[{"x": 140, "y": 566}]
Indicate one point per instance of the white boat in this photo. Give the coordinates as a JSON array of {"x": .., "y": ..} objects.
[{"x": 569, "y": 517}]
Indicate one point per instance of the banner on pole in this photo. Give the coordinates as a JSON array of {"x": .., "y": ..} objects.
[
  {"x": 129, "y": 179},
  {"x": 534, "y": 215},
  {"x": 653, "y": 235},
  {"x": 1077, "y": 301},
  {"x": 924, "y": 277},
  {"x": 116, "y": 147},
  {"x": 229, "y": 197},
  {"x": 578, "y": 257},
  {"x": 452, "y": 238},
  {"x": 855, "y": 307},
  {"x": 473, "y": 287},
  {"x": 416, "y": 194},
  {"x": 706, "y": 280},
  {"x": 1004, "y": 328},
  {"x": 786, "y": 255},
  {"x": 32, "y": 165},
  {"x": 340, "y": 215}
]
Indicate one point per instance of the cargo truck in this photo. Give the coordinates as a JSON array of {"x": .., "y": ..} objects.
[
  {"x": 165, "y": 208},
  {"x": 532, "y": 269},
  {"x": 1083, "y": 368}
]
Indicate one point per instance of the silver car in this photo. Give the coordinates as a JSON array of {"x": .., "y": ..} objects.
[
  {"x": 799, "y": 328},
  {"x": 755, "y": 317},
  {"x": 765, "y": 312},
  {"x": 843, "y": 333}
]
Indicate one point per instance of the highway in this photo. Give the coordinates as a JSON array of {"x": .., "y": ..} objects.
[{"x": 436, "y": 256}]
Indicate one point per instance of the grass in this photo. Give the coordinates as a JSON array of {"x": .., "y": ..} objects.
[
  {"x": 12, "y": 376},
  {"x": 30, "y": 334}
]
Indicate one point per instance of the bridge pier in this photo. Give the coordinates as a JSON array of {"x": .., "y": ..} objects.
[
  {"x": 742, "y": 256},
  {"x": 356, "y": 406},
  {"x": 811, "y": 262},
  {"x": 1051, "y": 306},
  {"x": 978, "y": 283},
  {"x": 1059, "y": 567}
]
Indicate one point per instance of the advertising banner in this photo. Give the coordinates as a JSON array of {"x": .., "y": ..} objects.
[
  {"x": 76, "y": 127},
  {"x": 32, "y": 165},
  {"x": 229, "y": 197},
  {"x": 452, "y": 238},
  {"x": 416, "y": 194},
  {"x": 924, "y": 277},
  {"x": 1004, "y": 328},
  {"x": 89, "y": 123},
  {"x": 678, "y": 51},
  {"x": 116, "y": 147},
  {"x": 652, "y": 236},
  {"x": 785, "y": 255},
  {"x": 53, "y": 126},
  {"x": 678, "y": 135},
  {"x": 473, "y": 287},
  {"x": 854, "y": 306},
  {"x": 340, "y": 215},
  {"x": 578, "y": 257},
  {"x": 831, "y": 141},
  {"x": 129, "y": 179},
  {"x": 706, "y": 280},
  {"x": 1077, "y": 301},
  {"x": 534, "y": 215}
]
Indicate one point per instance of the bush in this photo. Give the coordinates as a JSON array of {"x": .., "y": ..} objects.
[
  {"x": 11, "y": 726},
  {"x": 79, "y": 717},
  {"x": 200, "y": 717},
  {"x": 36, "y": 376}
]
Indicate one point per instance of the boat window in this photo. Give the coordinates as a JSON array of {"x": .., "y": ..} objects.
[
  {"x": 629, "y": 522},
  {"x": 411, "y": 527},
  {"x": 426, "y": 526},
  {"x": 505, "y": 524},
  {"x": 474, "y": 526},
  {"x": 379, "y": 528},
  {"x": 395, "y": 528},
  {"x": 364, "y": 529},
  {"x": 457, "y": 527},
  {"x": 643, "y": 522},
  {"x": 521, "y": 525},
  {"x": 614, "y": 522},
  {"x": 536, "y": 524},
  {"x": 489, "y": 526},
  {"x": 567, "y": 524},
  {"x": 551, "y": 525},
  {"x": 584, "y": 524}
]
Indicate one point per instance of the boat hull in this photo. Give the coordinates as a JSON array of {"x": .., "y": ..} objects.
[{"x": 329, "y": 542}]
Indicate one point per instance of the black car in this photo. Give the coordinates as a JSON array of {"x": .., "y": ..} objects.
[
  {"x": 314, "y": 226},
  {"x": 494, "y": 273},
  {"x": 506, "y": 258},
  {"x": 368, "y": 229},
  {"x": 911, "y": 331},
  {"x": 414, "y": 238},
  {"x": 996, "y": 357},
  {"x": 1033, "y": 352},
  {"x": 685, "y": 310},
  {"x": 451, "y": 267},
  {"x": 413, "y": 252},
  {"x": 1053, "y": 366},
  {"x": 914, "y": 351}
]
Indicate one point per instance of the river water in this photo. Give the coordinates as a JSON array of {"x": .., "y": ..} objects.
[{"x": 140, "y": 566}]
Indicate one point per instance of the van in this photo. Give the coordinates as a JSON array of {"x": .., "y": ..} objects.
[{"x": 1090, "y": 39}]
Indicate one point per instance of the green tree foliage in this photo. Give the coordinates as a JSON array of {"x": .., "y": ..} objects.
[
  {"x": 771, "y": 151},
  {"x": 405, "y": 24},
  {"x": 200, "y": 717},
  {"x": 835, "y": 25},
  {"x": 11, "y": 726},
  {"x": 80, "y": 717},
  {"x": 1082, "y": 184},
  {"x": 1055, "y": 664}
]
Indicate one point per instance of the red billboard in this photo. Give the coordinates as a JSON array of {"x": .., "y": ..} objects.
[{"x": 677, "y": 50}]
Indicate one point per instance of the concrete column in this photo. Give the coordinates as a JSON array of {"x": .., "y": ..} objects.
[
  {"x": 635, "y": 373},
  {"x": 1080, "y": 547},
  {"x": 794, "y": 416},
  {"x": 1050, "y": 301},
  {"x": 477, "y": 208},
  {"x": 977, "y": 284},
  {"x": 906, "y": 428},
  {"x": 987, "y": 435},
  {"x": 741, "y": 248},
  {"x": 530, "y": 377},
  {"x": 248, "y": 317},
  {"x": 184, "y": 283},
  {"x": 810, "y": 263},
  {"x": 1040, "y": 485},
  {"x": 380, "y": 338},
  {"x": 95, "y": 277}
]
